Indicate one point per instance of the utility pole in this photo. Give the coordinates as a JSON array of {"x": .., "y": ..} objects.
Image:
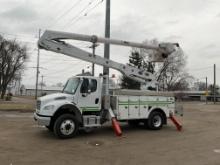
[
  {"x": 107, "y": 35},
  {"x": 42, "y": 81},
  {"x": 206, "y": 88},
  {"x": 106, "y": 55},
  {"x": 94, "y": 45},
  {"x": 214, "y": 86},
  {"x": 37, "y": 68}
]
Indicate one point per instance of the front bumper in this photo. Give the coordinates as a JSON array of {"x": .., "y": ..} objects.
[{"x": 42, "y": 120}]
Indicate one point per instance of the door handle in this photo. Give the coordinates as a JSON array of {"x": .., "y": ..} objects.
[{"x": 96, "y": 100}]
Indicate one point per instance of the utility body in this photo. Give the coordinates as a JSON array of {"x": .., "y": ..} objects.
[{"x": 86, "y": 102}]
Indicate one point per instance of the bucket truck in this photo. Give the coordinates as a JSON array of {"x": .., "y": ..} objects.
[{"x": 86, "y": 102}]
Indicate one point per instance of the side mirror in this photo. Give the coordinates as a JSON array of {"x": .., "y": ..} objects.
[{"x": 84, "y": 94}]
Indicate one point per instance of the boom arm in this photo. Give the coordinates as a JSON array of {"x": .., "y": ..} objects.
[{"x": 52, "y": 41}]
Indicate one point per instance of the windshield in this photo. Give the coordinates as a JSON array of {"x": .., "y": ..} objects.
[{"x": 71, "y": 86}]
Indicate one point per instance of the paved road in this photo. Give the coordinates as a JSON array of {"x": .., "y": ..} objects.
[{"x": 22, "y": 142}]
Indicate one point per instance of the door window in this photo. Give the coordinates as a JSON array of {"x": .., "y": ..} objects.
[
  {"x": 93, "y": 85},
  {"x": 88, "y": 85},
  {"x": 85, "y": 86}
]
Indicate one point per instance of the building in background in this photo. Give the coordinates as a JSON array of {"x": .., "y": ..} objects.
[
  {"x": 14, "y": 87},
  {"x": 30, "y": 90}
]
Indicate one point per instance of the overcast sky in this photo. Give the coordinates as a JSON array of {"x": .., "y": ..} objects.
[{"x": 194, "y": 24}]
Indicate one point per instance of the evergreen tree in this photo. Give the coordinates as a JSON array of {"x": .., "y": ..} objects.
[{"x": 136, "y": 60}]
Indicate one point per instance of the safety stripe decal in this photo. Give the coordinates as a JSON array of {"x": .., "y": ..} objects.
[
  {"x": 90, "y": 108},
  {"x": 145, "y": 103}
]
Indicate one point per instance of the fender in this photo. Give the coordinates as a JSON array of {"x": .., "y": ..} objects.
[
  {"x": 68, "y": 108},
  {"x": 162, "y": 112}
]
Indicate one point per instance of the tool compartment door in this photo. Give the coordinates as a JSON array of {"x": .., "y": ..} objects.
[
  {"x": 123, "y": 107},
  {"x": 133, "y": 107},
  {"x": 144, "y": 106}
]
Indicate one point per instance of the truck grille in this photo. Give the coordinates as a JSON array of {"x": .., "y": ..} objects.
[{"x": 38, "y": 104}]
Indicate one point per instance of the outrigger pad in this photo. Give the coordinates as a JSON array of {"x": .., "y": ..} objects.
[
  {"x": 176, "y": 123},
  {"x": 116, "y": 127}
]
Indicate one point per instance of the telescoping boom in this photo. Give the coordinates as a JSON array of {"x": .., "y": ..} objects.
[{"x": 55, "y": 41}]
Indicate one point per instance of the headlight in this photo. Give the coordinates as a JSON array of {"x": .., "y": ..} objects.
[
  {"x": 38, "y": 104},
  {"x": 49, "y": 107}
]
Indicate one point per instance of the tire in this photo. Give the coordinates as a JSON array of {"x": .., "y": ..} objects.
[
  {"x": 133, "y": 123},
  {"x": 66, "y": 126},
  {"x": 155, "y": 121}
]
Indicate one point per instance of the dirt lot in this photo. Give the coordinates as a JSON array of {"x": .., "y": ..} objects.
[{"x": 22, "y": 142}]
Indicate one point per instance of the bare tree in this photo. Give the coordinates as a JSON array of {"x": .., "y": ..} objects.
[
  {"x": 12, "y": 58},
  {"x": 170, "y": 74}
]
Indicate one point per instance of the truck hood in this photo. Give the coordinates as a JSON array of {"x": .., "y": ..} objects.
[{"x": 56, "y": 96}]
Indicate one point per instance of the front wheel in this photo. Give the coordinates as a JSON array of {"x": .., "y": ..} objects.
[
  {"x": 66, "y": 126},
  {"x": 155, "y": 121}
]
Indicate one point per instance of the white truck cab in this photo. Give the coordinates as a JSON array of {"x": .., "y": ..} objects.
[{"x": 80, "y": 95}]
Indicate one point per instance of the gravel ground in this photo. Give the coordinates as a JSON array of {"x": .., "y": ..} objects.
[{"x": 25, "y": 143}]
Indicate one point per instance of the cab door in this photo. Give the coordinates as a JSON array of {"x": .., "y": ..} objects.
[{"x": 89, "y": 98}]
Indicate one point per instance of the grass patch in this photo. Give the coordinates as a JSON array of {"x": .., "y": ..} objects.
[
  {"x": 26, "y": 97},
  {"x": 22, "y": 107}
]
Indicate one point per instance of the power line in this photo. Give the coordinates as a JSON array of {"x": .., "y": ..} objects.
[
  {"x": 66, "y": 12},
  {"x": 64, "y": 69},
  {"x": 52, "y": 60},
  {"x": 79, "y": 13},
  {"x": 76, "y": 19},
  {"x": 82, "y": 10},
  {"x": 94, "y": 7}
]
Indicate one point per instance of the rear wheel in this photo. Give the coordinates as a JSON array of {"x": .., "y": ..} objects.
[
  {"x": 66, "y": 126},
  {"x": 155, "y": 121}
]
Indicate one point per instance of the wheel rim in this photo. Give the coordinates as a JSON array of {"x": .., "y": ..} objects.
[
  {"x": 157, "y": 121},
  {"x": 67, "y": 127}
]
